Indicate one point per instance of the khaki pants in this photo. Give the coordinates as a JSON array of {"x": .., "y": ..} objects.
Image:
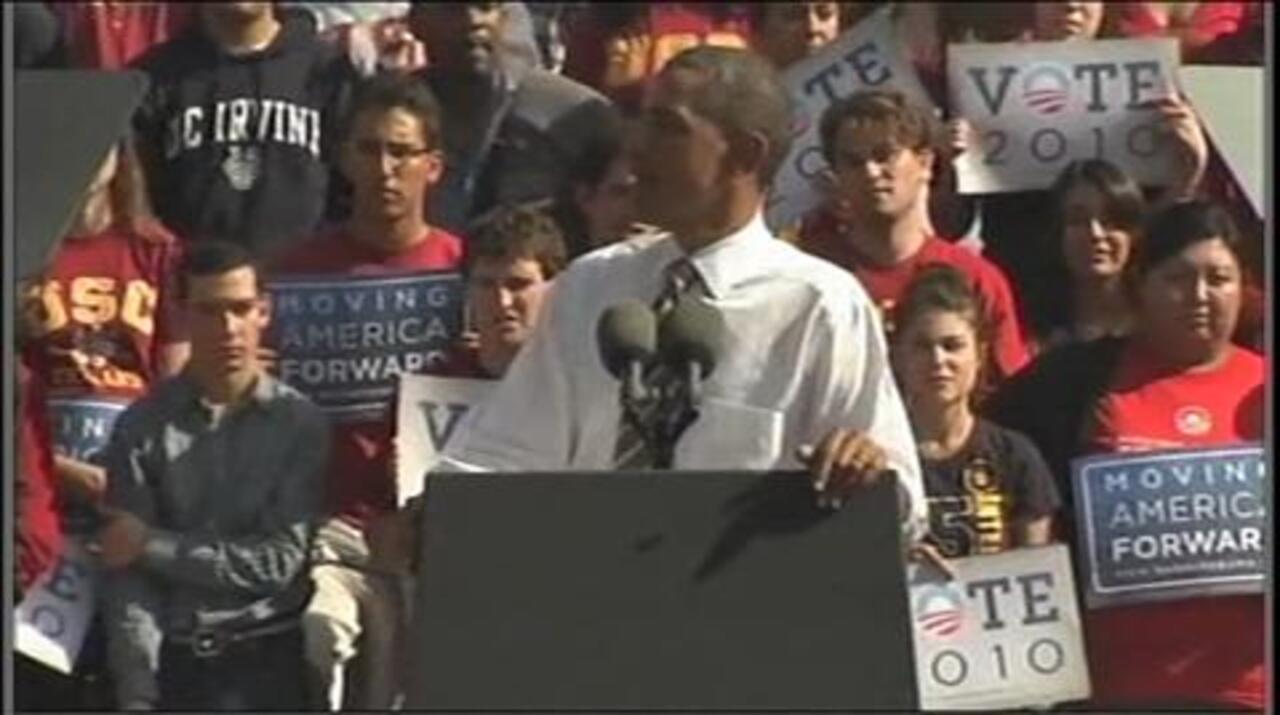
[{"x": 353, "y": 612}]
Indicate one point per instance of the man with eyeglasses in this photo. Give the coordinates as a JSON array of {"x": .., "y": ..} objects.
[{"x": 391, "y": 155}]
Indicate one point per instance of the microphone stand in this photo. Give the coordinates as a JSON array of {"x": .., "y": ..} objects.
[{"x": 679, "y": 411}]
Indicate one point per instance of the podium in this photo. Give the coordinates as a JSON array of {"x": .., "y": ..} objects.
[{"x": 698, "y": 591}]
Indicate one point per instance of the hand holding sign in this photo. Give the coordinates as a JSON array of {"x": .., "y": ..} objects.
[{"x": 1189, "y": 146}]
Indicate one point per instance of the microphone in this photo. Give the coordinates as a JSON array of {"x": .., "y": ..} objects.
[
  {"x": 690, "y": 339},
  {"x": 627, "y": 336}
]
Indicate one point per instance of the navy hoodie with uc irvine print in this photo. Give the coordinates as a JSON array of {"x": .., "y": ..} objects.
[{"x": 236, "y": 146}]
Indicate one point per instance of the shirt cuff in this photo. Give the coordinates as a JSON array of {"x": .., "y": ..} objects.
[{"x": 160, "y": 550}]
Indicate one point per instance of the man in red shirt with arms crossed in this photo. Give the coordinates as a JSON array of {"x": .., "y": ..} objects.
[
  {"x": 392, "y": 156},
  {"x": 876, "y": 222}
]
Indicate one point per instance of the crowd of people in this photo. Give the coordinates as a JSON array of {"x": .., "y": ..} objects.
[{"x": 564, "y": 158}]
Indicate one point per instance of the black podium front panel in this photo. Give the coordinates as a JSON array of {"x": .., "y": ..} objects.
[{"x": 696, "y": 591}]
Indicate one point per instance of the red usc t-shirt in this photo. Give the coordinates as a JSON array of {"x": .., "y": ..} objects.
[
  {"x": 1206, "y": 650},
  {"x": 101, "y": 313},
  {"x": 360, "y": 481},
  {"x": 820, "y": 236}
]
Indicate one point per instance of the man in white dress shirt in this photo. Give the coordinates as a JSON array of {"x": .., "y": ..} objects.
[{"x": 803, "y": 379}]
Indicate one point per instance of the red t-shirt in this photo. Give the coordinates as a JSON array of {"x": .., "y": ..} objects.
[
  {"x": 360, "y": 481},
  {"x": 110, "y": 35},
  {"x": 1198, "y": 650},
  {"x": 1208, "y": 21},
  {"x": 101, "y": 314},
  {"x": 821, "y": 236},
  {"x": 39, "y": 534}
]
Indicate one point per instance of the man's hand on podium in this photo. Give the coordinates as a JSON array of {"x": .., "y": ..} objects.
[{"x": 843, "y": 461}]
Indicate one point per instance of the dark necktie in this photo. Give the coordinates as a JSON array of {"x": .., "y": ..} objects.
[{"x": 632, "y": 451}]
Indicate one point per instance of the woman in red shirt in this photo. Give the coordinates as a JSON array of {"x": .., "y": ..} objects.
[
  {"x": 1176, "y": 381},
  {"x": 99, "y": 322}
]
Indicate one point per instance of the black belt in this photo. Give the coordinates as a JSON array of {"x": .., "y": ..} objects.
[{"x": 211, "y": 642}]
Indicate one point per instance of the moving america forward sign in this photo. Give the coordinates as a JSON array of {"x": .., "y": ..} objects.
[
  {"x": 343, "y": 341},
  {"x": 1171, "y": 524}
]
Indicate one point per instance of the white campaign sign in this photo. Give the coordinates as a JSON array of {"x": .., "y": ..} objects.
[
  {"x": 1036, "y": 106},
  {"x": 866, "y": 56},
  {"x": 1005, "y": 633},
  {"x": 53, "y": 618},
  {"x": 429, "y": 411},
  {"x": 1229, "y": 100}
]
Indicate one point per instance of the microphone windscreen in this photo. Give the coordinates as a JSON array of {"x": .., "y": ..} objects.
[
  {"x": 692, "y": 332},
  {"x": 627, "y": 332}
]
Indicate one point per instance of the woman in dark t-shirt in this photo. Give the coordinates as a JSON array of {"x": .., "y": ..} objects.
[{"x": 988, "y": 487}]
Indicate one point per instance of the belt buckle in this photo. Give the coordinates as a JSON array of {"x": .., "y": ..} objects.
[{"x": 207, "y": 643}]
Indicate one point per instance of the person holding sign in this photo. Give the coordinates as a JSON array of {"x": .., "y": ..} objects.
[
  {"x": 100, "y": 326},
  {"x": 214, "y": 487},
  {"x": 512, "y": 258},
  {"x": 882, "y": 152},
  {"x": 391, "y": 154},
  {"x": 1176, "y": 381},
  {"x": 989, "y": 489},
  {"x": 1071, "y": 123},
  {"x": 100, "y": 322},
  {"x": 802, "y": 377}
]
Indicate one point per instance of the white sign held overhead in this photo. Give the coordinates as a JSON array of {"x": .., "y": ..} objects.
[
  {"x": 866, "y": 56},
  {"x": 429, "y": 413},
  {"x": 1037, "y": 106},
  {"x": 1004, "y": 633}
]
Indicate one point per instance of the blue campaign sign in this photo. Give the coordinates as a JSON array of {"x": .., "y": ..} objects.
[
  {"x": 81, "y": 427},
  {"x": 1171, "y": 524},
  {"x": 343, "y": 340}
]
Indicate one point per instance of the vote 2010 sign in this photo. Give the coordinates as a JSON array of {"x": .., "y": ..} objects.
[
  {"x": 1004, "y": 633},
  {"x": 81, "y": 427},
  {"x": 429, "y": 411},
  {"x": 343, "y": 341},
  {"x": 51, "y": 622},
  {"x": 1171, "y": 524},
  {"x": 866, "y": 56},
  {"x": 1037, "y": 106}
]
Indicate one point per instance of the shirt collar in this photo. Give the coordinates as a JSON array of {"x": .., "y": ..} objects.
[
  {"x": 260, "y": 395},
  {"x": 731, "y": 260}
]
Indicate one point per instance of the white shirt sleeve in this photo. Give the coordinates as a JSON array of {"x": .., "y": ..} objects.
[
  {"x": 855, "y": 389},
  {"x": 527, "y": 422}
]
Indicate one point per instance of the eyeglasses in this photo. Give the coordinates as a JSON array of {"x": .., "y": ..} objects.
[{"x": 400, "y": 153}]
